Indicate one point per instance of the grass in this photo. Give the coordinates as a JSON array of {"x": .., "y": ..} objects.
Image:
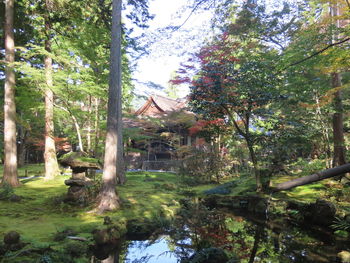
[
  {"x": 28, "y": 170},
  {"x": 145, "y": 195},
  {"x": 37, "y": 217}
]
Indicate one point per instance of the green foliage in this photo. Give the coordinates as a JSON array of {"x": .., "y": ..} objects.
[
  {"x": 341, "y": 224},
  {"x": 6, "y": 191},
  {"x": 203, "y": 164}
]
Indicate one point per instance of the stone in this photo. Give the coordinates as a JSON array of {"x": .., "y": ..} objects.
[
  {"x": 322, "y": 212},
  {"x": 78, "y": 182},
  {"x": 15, "y": 198},
  {"x": 344, "y": 256},
  {"x": 101, "y": 236},
  {"x": 11, "y": 238},
  {"x": 261, "y": 207}
]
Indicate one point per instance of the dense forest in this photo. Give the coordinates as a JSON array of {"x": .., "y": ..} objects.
[{"x": 264, "y": 131}]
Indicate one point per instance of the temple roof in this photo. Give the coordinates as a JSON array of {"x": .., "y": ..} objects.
[{"x": 156, "y": 105}]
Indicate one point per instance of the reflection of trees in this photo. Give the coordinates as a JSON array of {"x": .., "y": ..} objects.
[
  {"x": 197, "y": 228},
  {"x": 257, "y": 237}
]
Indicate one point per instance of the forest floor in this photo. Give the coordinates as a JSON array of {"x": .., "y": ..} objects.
[{"x": 41, "y": 213}]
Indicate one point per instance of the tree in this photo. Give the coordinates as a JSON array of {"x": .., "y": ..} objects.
[
  {"x": 51, "y": 165},
  {"x": 235, "y": 86},
  {"x": 10, "y": 144},
  {"x": 113, "y": 160}
]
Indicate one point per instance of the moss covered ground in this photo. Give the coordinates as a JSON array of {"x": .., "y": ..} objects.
[
  {"x": 146, "y": 195},
  {"x": 41, "y": 212}
]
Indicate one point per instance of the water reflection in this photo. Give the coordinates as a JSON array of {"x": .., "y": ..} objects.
[
  {"x": 247, "y": 240},
  {"x": 151, "y": 252}
]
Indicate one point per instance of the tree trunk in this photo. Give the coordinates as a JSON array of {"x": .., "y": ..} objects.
[
  {"x": 338, "y": 129},
  {"x": 255, "y": 165},
  {"x": 325, "y": 131},
  {"x": 10, "y": 146},
  {"x": 313, "y": 178},
  {"x": 22, "y": 147},
  {"x": 88, "y": 135},
  {"x": 51, "y": 165},
  {"x": 97, "y": 127},
  {"x": 109, "y": 199},
  {"x": 257, "y": 238}
]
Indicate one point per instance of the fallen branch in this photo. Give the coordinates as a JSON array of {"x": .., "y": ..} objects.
[{"x": 339, "y": 170}]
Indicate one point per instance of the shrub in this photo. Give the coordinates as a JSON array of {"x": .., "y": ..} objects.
[{"x": 205, "y": 165}]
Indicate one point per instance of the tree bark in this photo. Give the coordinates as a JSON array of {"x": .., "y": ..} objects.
[
  {"x": 109, "y": 199},
  {"x": 255, "y": 165},
  {"x": 338, "y": 129},
  {"x": 313, "y": 178},
  {"x": 97, "y": 127},
  {"x": 22, "y": 147},
  {"x": 89, "y": 129},
  {"x": 51, "y": 165},
  {"x": 10, "y": 146}
]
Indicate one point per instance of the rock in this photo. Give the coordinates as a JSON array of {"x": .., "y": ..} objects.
[
  {"x": 78, "y": 182},
  {"x": 261, "y": 207},
  {"x": 11, "y": 238},
  {"x": 322, "y": 212},
  {"x": 15, "y": 198},
  {"x": 344, "y": 256},
  {"x": 101, "y": 236},
  {"x": 110, "y": 236},
  {"x": 102, "y": 252},
  {"x": 79, "y": 162}
]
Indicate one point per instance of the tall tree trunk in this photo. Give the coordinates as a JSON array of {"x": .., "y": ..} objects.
[
  {"x": 51, "y": 165},
  {"x": 97, "y": 127},
  {"x": 338, "y": 129},
  {"x": 324, "y": 130},
  {"x": 89, "y": 129},
  {"x": 10, "y": 147},
  {"x": 22, "y": 147},
  {"x": 109, "y": 199}
]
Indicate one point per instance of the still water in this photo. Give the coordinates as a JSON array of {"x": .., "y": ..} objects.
[{"x": 244, "y": 239}]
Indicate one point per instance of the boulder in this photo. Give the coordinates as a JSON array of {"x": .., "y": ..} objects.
[
  {"x": 322, "y": 212},
  {"x": 11, "y": 238},
  {"x": 344, "y": 256}
]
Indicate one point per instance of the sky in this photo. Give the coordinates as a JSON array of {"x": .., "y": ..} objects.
[{"x": 167, "y": 53}]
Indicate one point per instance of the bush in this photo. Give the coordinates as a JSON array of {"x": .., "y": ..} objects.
[{"x": 204, "y": 165}]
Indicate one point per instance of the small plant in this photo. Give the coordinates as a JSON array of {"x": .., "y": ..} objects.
[{"x": 341, "y": 224}]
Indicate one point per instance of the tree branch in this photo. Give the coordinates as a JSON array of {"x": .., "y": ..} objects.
[
  {"x": 317, "y": 53},
  {"x": 189, "y": 16}
]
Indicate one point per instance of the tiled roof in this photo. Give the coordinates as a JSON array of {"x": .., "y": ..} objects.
[{"x": 162, "y": 104}]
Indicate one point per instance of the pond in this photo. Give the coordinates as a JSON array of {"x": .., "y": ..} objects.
[{"x": 244, "y": 238}]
